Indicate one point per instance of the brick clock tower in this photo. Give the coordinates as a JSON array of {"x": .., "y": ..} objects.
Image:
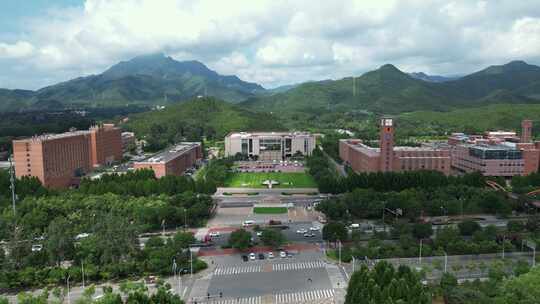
[
  {"x": 386, "y": 142},
  {"x": 526, "y": 131}
]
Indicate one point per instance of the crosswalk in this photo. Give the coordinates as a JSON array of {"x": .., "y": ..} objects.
[
  {"x": 238, "y": 270},
  {"x": 250, "y": 300},
  {"x": 297, "y": 266},
  {"x": 306, "y": 296}
]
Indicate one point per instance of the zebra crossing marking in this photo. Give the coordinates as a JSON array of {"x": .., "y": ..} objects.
[
  {"x": 297, "y": 266},
  {"x": 250, "y": 300},
  {"x": 237, "y": 270},
  {"x": 305, "y": 296}
]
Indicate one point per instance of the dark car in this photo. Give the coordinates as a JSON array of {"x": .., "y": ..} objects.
[
  {"x": 245, "y": 258},
  {"x": 261, "y": 256}
]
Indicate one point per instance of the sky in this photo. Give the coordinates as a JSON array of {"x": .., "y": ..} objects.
[{"x": 272, "y": 42}]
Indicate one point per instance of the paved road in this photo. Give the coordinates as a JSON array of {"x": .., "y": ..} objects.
[
  {"x": 290, "y": 234},
  {"x": 306, "y": 277}
]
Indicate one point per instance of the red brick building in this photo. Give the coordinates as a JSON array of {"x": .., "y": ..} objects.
[
  {"x": 173, "y": 161},
  {"x": 390, "y": 158},
  {"x": 59, "y": 160}
]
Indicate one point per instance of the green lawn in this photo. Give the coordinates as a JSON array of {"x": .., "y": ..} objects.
[
  {"x": 269, "y": 210},
  {"x": 285, "y": 179}
]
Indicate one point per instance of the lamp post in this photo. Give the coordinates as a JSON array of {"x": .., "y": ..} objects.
[
  {"x": 339, "y": 250},
  {"x": 353, "y": 263},
  {"x": 420, "y": 254},
  {"x": 12, "y": 181},
  {"x": 82, "y": 270},
  {"x": 68, "y": 297},
  {"x": 504, "y": 238},
  {"x": 445, "y": 261},
  {"x": 185, "y": 219}
]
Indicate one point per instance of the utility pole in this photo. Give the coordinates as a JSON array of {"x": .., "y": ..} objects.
[
  {"x": 12, "y": 181},
  {"x": 174, "y": 266},
  {"x": 353, "y": 263}
]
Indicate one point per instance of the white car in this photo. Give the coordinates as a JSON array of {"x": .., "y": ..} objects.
[
  {"x": 270, "y": 255},
  {"x": 215, "y": 234},
  {"x": 283, "y": 254},
  {"x": 248, "y": 223},
  {"x": 315, "y": 228},
  {"x": 252, "y": 256},
  {"x": 259, "y": 233},
  {"x": 37, "y": 248},
  {"x": 301, "y": 231}
]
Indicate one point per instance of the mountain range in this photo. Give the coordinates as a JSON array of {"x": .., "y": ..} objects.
[
  {"x": 157, "y": 79},
  {"x": 388, "y": 90},
  {"x": 149, "y": 79}
]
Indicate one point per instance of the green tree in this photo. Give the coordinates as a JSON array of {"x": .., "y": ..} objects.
[
  {"x": 273, "y": 238},
  {"x": 335, "y": 231},
  {"x": 240, "y": 239},
  {"x": 422, "y": 230},
  {"x": 59, "y": 239},
  {"x": 469, "y": 227},
  {"x": 520, "y": 290}
]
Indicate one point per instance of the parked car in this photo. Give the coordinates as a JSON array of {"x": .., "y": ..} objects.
[
  {"x": 259, "y": 233},
  {"x": 270, "y": 255},
  {"x": 215, "y": 234},
  {"x": 261, "y": 256},
  {"x": 252, "y": 256},
  {"x": 301, "y": 231},
  {"x": 283, "y": 254},
  {"x": 309, "y": 234},
  {"x": 245, "y": 258},
  {"x": 315, "y": 228}
]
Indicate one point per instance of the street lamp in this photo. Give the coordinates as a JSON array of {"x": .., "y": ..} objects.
[
  {"x": 68, "y": 297},
  {"x": 420, "y": 254},
  {"x": 445, "y": 261}
]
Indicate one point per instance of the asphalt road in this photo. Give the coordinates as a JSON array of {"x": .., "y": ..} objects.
[
  {"x": 290, "y": 234},
  {"x": 261, "y": 283}
]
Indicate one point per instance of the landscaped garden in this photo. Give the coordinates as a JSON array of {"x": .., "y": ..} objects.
[
  {"x": 270, "y": 210},
  {"x": 256, "y": 180}
]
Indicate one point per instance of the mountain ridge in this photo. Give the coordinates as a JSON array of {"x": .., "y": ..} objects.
[
  {"x": 146, "y": 79},
  {"x": 388, "y": 90}
]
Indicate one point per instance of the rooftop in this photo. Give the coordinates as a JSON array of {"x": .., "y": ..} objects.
[
  {"x": 170, "y": 153},
  {"x": 266, "y": 134}
]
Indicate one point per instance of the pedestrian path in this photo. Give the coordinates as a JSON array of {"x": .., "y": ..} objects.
[
  {"x": 297, "y": 266},
  {"x": 306, "y": 296},
  {"x": 237, "y": 269},
  {"x": 250, "y": 300}
]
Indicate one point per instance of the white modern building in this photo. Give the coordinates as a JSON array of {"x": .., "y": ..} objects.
[{"x": 269, "y": 146}]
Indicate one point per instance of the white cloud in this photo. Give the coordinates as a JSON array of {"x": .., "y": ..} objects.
[
  {"x": 20, "y": 49},
  {"x": 274, "y": 42}
]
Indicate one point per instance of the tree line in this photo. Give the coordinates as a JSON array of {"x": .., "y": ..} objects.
[{"x": 329, "y": 182}]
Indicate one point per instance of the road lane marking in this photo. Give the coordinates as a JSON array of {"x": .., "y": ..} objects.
[{"x": 296, "y": 297}]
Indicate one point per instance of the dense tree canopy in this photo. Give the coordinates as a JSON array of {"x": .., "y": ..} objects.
[{"x": 386, "y": 285}]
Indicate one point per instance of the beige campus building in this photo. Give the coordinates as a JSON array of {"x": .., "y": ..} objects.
[{"x": 269, "y": 146}]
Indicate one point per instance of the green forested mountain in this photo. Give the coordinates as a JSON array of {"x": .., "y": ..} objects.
[
  {"x": 151, "y": 79},
  {"x": 196, "y": 118},
  {"x": 388, "y": 90}
]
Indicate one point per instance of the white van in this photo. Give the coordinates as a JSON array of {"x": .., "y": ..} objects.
[{"x": 355, "y": 226}]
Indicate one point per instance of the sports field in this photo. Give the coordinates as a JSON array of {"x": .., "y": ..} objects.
[{"x": 285, "y": 179}]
